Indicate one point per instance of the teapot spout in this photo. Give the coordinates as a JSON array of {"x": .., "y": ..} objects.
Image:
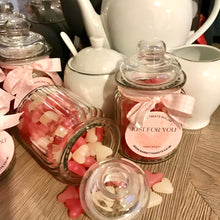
[{"x": 92, "y": 21}]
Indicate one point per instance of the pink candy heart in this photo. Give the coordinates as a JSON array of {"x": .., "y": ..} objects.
[{"x": 153, "y": 178}]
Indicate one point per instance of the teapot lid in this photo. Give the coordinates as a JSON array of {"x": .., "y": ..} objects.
[
  {"x": 18, "y": 43},
  {"x": 151, "y": 69},
  {"x": 96, "y": 59}
]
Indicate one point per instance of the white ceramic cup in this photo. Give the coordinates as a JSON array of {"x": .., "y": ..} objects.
[{"x": 201, "y": 63}]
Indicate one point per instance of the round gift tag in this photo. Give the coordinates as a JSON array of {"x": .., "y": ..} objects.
[{"x": 157, "y": 137}]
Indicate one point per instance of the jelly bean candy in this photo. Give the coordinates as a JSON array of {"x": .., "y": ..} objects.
[
  {"x": 77, "y": 209},
  {"x": 76, "y": 168},
  {"x": 69, "y": 192},
  {"x": 78, "y": 143},
  {"x": 99, "y": 133},
  {"x": 89, "y": 161},
  {"x": 153, "y": 178}
]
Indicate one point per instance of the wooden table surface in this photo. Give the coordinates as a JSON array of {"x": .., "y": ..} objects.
[{"x": 29, "y": 192}]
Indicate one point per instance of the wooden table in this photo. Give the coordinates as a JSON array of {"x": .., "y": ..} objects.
[{"x": 29, "y": 192}]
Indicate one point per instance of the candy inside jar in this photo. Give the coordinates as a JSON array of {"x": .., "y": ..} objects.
[
  {"x": 151, "y": 107},
  {"x": 65, "y": 134}
]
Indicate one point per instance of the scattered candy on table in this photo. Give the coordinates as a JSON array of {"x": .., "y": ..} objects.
[{"x": 157, "y": 181}]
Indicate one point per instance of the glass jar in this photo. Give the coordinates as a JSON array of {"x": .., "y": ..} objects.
[
  {"x": 150, "y": 105},
  {"x": 64, "y": 134},
  {"x": 114, "y": 189},
  {"x": 19, "y": 45},
  {"x": 24, "y": 59}
]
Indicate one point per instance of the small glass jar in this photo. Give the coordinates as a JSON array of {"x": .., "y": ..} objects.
[
  {"x": 150, "y": 105},
  {"x": 114, "y": 189},
  {"x": 64, "y": 134}
]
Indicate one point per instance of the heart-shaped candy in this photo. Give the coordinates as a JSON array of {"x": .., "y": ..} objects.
[
  {"x": 155, "y": 200},
  {"x": 165, "y": 186},
  {"x": 102, "y": 151},
  {"x": 91, "y": 136},
  {"x": 153, "y": 178},
  {"x": 92, "y": 148},
  {"x": 80, "y": 154}
]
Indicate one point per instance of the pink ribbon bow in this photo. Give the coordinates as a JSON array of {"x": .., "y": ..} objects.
[
  {"x": 7, "y": 121},
  {"x": 179, "y": 107},
  {"x": 20, "y": 80},
  {"x": 2, "y": 76}
]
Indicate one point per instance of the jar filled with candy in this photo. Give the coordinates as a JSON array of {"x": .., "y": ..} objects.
[
  {"x": 65, "y": 134},
  {"x": 151, "y": 106}
]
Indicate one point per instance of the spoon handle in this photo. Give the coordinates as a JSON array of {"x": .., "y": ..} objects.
[{"x": 68, "y": 43}]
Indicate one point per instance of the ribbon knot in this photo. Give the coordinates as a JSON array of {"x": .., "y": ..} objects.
[
  {"x": 178, "y": 107},
  {"x": 20, "y": 80},
  {"x": 7, "y": 121}
]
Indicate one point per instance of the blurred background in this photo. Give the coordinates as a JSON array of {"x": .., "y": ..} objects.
[{"x": 64, "y": 15}]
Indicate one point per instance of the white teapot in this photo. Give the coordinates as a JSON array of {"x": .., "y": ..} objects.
[{"x": 123, "y": 23}]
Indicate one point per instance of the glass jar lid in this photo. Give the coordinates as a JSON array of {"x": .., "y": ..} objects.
[
  {"x": 151, "y": 69},
  {"x": 20, "y": 43},
  {"x": 6, "y": 6},
  {"x": 4, "y": 17},
  {"x": 114, "y": 189}
]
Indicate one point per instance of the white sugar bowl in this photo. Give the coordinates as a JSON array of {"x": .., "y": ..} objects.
[{"x": 91, "y": 75}]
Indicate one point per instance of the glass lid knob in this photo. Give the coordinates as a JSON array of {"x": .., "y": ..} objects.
[{"x": 17, "y": 27}]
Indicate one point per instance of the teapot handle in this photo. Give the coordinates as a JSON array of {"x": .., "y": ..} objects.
[{"x": 206, "y": 25}]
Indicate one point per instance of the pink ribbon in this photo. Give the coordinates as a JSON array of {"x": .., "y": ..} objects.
[
  {"x": 2, "y": 76},
  {"x": 7, "y": 121},
  {"x": 178, "y": 106},
  {"x": 20, "y": 80}
]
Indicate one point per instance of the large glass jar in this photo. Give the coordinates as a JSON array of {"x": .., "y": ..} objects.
[
  {"x": 64, "y": 134},
  {"x": 150, "y": 104}
]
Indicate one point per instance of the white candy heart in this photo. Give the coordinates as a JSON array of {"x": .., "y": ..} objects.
[
  {"x": 60, "y": 131},
  {"x": 102, "y": 152},
  {"x": 48, "y": 116},
  {"x": 155, "y": 199},
  {"x": 91, "y": 136},
  {"x": 165, "y": 186},
  {"x": 81, "y": 153},
  {"x": 92, "y": 147}
]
